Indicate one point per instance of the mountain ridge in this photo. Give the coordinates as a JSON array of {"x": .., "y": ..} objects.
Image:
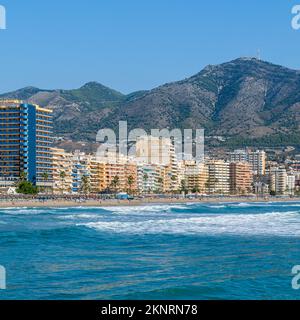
[{"x": 244, "y": 99}]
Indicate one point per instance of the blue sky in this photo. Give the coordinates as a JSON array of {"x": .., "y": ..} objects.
[{"x": 137, "y": 44}]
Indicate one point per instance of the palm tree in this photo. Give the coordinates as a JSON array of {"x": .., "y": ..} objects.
[
  {"x": 45, "y": 177},
  {"x": 211, "y": 184},
  {"x": 23, "y": 176},
  {"x": 115, "y": 182},
  {"x": 130, "y": 182},
  {"x": 145, "y": 178},
  {"x": 62, "y": 176},
  {"x": 160, "y": 181},
  {"x": 85, "y": 184},
  {"x": 196, "y": 189}
]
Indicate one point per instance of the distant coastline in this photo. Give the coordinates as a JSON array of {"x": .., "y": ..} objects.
[{"x": 128, "y": 203}]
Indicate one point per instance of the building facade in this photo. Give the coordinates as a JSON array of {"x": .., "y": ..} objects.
[
  {"x": 81, "y": 173},
  {"x": 160, "y": 151},
  {"x": 241, "y": 178},
  {"x": 121, "y": 177},
  {"x": 196, "y": 176},
  {"x": 150, "y": 178},
  {"x": 278, "y": 180},
  {"x": 257, "y": 160},
  {"x": 219, "y": 177},
  {"x": 98, "y": 176},
  {"x": 62, "y": 171},
  {"x": 26, "y": 136}
]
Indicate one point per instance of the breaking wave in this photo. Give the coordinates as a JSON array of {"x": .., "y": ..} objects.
[{"x": 274, "y": 223}]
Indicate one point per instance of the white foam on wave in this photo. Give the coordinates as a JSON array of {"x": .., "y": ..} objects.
[
  {"x": 217, "y": 206},
  {"x": 267, "y": 224},
  {"x": 22, "y": 211},
  {"x": 78, "y": 216},
  {"x": 141, "y": 210},
  {"x": 31, "y": 210},
  {"x": 296, "y": 205},
  {"x": 242, "y": 204}
]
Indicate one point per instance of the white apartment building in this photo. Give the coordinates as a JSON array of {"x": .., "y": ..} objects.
[
  {"x": 150, "y": 178},
  {"x": 196, "y": 176},
  {"x": 291, "y": 184},
  {"x": 257, "y": 159},
  {"x": 218, "y": 177},
  {"x": 160, "y": 151},
  {"x": 282, "y": 182}
]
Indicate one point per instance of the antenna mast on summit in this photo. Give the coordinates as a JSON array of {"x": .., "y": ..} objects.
[{"x": 258, "y": 54}]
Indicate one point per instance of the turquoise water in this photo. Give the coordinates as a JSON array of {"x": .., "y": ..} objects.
[{"x": 192, "y": 251}]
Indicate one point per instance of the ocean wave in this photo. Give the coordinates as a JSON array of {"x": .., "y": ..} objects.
[
  {"x": 242, "y": 204},
  {"x": 22, "y": 211},
  {"x": 78, "y": 216},
  {"x": 141, "y": 210},
  {"x": 217, "y": 206},
  {"x": 267, "y": 224}
]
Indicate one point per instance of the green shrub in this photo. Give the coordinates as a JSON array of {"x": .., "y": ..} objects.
[{"x": 26, "y": 187}]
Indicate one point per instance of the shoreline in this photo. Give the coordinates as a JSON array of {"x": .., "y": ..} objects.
[{"x": 133, "y": 203}]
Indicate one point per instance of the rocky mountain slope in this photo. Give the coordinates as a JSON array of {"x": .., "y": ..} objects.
[{"x": 244, "y": 99}]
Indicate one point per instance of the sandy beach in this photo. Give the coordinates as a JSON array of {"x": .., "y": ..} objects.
[{"x": 139, "y": 202}]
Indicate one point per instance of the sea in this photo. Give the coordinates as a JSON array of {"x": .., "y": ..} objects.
[{"x": 211, "y": 251}]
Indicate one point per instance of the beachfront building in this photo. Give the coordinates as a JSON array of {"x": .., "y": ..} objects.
[
  {"x": 25, "y": 143},
  {"x": 121, "y": 177},
  {"x": 62, "y": 171},
  {"x": 150, "y": 178},
  {"x": 88, "y": 175},
  {"x": 297, "y": 182},
  {"x": 195, "y": 176},
  {"x": 279, "y": 180},
  {"x": 218, "y": 177},
  {"x": 291, "y": 183},
  {"x": 155, "y": 150},
  {"x": 81, "y": 182},
  {"x": 257, "y": 159},
  {"x": 160, "y": 151},
  {"x": 241, "y": 178},
  {"x": 97, "y": 176}
]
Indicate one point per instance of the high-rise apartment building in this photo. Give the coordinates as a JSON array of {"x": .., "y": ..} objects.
[
  {"x": 239, "y": 155},
  {"x": 241, "y": 178},
  {"x": 195, "y": 176},
  {"x": 219, "y": 177},
  {"x": 80, "y": 171},
  {"x": 98, "y": 176},
  {"x": 278, "y": 180},
  {"x": 25, "y": 143},
  {"x": 121, "y": 176},
  {"x": 160, "y": 151},
  {"x": 62, "y": 171},
  {"x": 291, "y": 184},
  {"x": 150, "y": 178},
  {"x": 257, "y": 159}
]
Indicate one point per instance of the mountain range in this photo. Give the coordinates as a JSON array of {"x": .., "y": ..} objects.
[{"x": 247, "y": 101}]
